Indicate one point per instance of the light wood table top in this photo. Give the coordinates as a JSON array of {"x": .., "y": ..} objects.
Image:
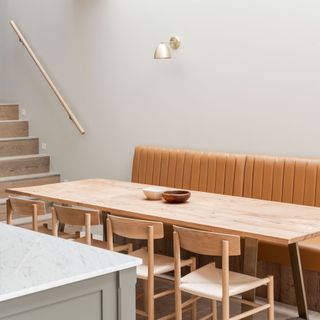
[{"x": 251, "y": 218}]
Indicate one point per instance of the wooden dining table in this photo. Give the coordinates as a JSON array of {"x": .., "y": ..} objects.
[{"x": 254, "y": 220}]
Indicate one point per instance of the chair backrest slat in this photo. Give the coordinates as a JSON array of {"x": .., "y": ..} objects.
[
  {"x": 76, "y": 216},
  {"x": 25, "y": 206},
  {"x": 134, "y": 228},
  {"x": 207, "y": 243}
]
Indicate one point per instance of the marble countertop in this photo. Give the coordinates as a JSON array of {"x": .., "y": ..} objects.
[{"x": 31, "y": 262}]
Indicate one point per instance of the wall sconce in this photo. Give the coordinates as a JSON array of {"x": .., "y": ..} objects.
[{"x": 163, "y": 50}]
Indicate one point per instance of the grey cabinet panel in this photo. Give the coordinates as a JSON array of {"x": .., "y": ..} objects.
[
  {"x": 127, "y": 294},
  {"x": 108, "y": 297},
  {"x": 83, "y": 307}
]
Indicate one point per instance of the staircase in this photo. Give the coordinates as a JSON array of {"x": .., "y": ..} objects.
[{"x": 21, "y": 164}]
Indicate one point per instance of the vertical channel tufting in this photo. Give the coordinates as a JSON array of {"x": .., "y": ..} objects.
[
  {"x": 257, "y": 177},
  {"x": 187, "y": 170},
  {"x": 239, "y": 175},
  {"x": 310, "y": 183},
  {"x": 248, "y": 177},
  {"x": 220, "y": 173},
  {"x": 156, "y": 167},
  {"x": 212, "y": 169},
  {"x": 164, "y": 167},
  {"x": 172, "y": 168},
  {"x": 270, "y": 178},
  {"x": 179, "y": 168},
  {"x": 135, "y": 165},
  {"x": 278, "y": 174},
  {"x": 142, "y": 165},
  {"x": 229, "y": 175},
  {"x": 317, "y": 199},
  {"x": 149, "y": 166},
  {"x": 288, "y": 181},
  {"x": 204, "y": 162},
  {"x": 299, "y": 181},
  {"x": 267, "y": 182},
  {"x": 195, "y": 171}
]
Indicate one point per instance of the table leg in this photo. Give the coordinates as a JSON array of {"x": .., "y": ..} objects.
[
  {"x": 61, "y": 227},
  {"x": 250, "y": 258},
  {"x": 298, "y": 281},
  {"x": 104, "y": 216}
]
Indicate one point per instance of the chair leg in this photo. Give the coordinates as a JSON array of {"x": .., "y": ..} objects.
[
  {"x": 35, "y": 217},
  {"x": 270, "y": 296},
  {"x": 193, "y": 267},
  {"x": 35, "y": 221},
  {"x": 150, "y": 299},
  {"x": 214, "y": 309},
  {"x": 178, "y": 304},
  {"x": 145, "y": 295},
  {"x": 9, "y": 212},
  {"x": 225, "y": 309}
]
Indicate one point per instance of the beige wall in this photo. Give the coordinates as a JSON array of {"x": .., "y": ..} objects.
[
  {"x": 3, "y": 15},
  {"x": 247, "y": 78}
]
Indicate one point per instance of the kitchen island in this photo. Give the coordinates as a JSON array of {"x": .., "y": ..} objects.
[{"x": 44, "y": 277}]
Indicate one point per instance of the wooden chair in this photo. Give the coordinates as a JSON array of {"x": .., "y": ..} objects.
[
  {"x": 153, "y": 264},
  {"x": 27, "y": 207},
  {"x": 84, "y": 218},
  {"x": 214, "y": 283}
]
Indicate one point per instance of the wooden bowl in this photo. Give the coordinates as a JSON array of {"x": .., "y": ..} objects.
[{"x": 176, "y": 196}]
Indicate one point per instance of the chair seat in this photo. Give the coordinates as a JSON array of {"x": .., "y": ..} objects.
[
  {"x": 162, "y": 264},
  {"x": 207, "y": 282}
]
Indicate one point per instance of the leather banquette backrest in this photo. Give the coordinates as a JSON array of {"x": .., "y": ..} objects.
[
  {"x": 271, "y": 178},
  {"x": 194, "y": 170}
]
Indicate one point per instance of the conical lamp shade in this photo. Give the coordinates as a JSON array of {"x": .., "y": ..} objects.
[{"x": 162, "y": 52}]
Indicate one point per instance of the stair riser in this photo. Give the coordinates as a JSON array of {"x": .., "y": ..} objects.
[
  {"x": 9, "y": 112},
  {"x": 14, "y": 129},
  {"x": 17, "y": 167},
  {"x": 19, "y": 147},
  {"x": 26, "y": 183}
]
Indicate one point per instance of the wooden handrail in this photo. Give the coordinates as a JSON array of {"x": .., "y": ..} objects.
[{"x": 71, "y": 115}]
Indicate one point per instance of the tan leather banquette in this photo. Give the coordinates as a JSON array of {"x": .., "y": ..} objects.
[{"x": 263, "y": 177}]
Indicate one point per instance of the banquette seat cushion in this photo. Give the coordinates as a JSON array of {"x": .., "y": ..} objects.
[{"x": 287, "y": 180}]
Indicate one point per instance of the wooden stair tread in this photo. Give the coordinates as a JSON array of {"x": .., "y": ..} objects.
[
  {"x": 21, "y": 165},
  {"x": 26, "y": 181},
  {"x": 18, "y": 146},
  {"x": 29, "y": 176},
  {"x": 13, "y": 128},
  {"x": 17, "y": 138},
  {"x": 9, "y": 111},
  {"x": 27, "y": 156},
  {"x": 13, "y": 120}
]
